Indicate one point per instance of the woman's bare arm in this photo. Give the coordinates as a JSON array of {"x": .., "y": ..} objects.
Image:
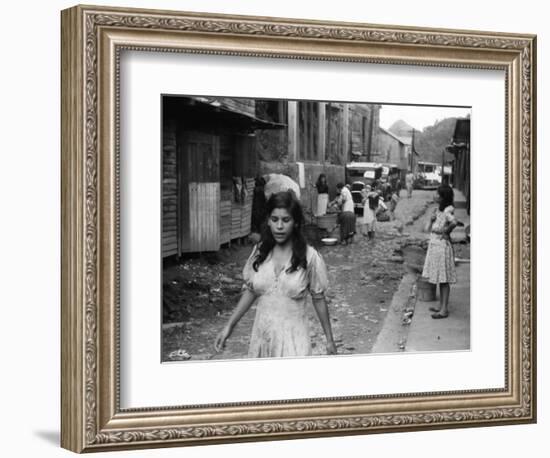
[
  {"x": 449, "y": 228},
  {"x": 245, "y": 302},
  {"x": 321, "y": 308},
  {"x": 430, "y": 221}
]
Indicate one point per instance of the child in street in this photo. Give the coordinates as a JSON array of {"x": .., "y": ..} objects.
[
  {"x": 409, "y": 180},
  {"x": 439, "y": 266},
  {"x": 371, "y": 203}
]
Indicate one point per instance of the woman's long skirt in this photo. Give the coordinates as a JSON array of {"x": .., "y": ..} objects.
[
  {"x": 322, "y": 203},
  {"x": 347, "y": 225},
  {"x": 439, "y": 266}
]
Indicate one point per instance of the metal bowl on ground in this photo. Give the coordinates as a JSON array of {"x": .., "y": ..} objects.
[{"x": 329, "y": 241}]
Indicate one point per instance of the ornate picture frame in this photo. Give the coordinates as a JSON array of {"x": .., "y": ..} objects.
[{"x": 92, "y": 41}]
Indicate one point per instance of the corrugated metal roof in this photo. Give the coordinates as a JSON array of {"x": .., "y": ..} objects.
[{"x": 258, "y": 123}]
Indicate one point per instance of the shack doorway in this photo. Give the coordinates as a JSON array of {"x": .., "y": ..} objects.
[{"x": 198, "y": 162}]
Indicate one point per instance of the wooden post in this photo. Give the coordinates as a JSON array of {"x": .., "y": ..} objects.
[
  {"x": 371, "y": 136},
  {"x": 412, "y": 152},
  {"x": 345, "y": 133},
  {"x": 442, "y": 164},
  {"x": 321, "y": 131},
  {"x": 292, "y": 131}
]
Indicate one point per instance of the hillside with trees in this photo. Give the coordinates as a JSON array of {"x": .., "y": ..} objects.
[
  {"x": 431, "y": 141},
  {"x": 402, "y": 129}
]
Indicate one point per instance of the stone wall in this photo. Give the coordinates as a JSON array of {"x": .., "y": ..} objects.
[{"x": 272, "y": 145}]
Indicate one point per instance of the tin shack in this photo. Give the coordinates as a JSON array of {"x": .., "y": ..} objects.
[{"x": 209, "y": 162}]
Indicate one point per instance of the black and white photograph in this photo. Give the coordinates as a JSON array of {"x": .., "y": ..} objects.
[
  {"x": 244, "y": 229},
  {"x": 299, "y": 228}
]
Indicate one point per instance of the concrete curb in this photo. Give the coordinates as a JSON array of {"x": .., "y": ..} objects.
[
  {"x": 393, "y": 335},
  {"x": 449, "y": 334}
]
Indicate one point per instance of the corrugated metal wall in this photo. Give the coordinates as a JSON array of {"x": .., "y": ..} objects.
[{"x": 204, "y": 216}]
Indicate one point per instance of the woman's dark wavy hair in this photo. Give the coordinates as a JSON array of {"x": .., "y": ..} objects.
[
  {"x": 320, "y": 179},
  {"x": 288, "y": 201},
  {"x": 447, "y": 196}
]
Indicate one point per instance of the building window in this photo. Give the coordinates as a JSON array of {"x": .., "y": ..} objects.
[{"x": 308, "y": 126}]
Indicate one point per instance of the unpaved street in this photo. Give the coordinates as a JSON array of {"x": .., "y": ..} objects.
[{"x": 202, "y": 292}]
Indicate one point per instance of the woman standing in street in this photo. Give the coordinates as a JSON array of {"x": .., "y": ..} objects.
[
  {"x": 322, "y": 195},
  {"x": 409, "y": 180},
  {"x": 439, "y": 266},
  {"x": 372, "y": 201},
  {"x": 279, "y": 273}
]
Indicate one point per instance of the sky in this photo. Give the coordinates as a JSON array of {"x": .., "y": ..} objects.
[{"x": 418, "y": 116}]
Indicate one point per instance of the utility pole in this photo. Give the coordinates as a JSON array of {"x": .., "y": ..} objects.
[
  {"x": 412, "y": 152},
  {"x": 371, "y": 134},
  {"x": 442, "y": 165}
]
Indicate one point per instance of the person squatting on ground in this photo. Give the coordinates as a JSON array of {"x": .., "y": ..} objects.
[
  {"x": 439, "y": 266},
  {"x": 281, "y": 270},
  {"x": 346, "y": 218}
]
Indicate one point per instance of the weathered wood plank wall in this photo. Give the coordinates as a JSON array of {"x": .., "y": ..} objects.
[{"x": 169, "y": 189}]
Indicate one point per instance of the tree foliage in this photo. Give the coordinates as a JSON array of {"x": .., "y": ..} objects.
[{"x": 431, "y": 141}]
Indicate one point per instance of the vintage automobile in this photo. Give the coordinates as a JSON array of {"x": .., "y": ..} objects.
[
  {"x": 428, "y": 175},
  {"x": 366, "y": 172}
]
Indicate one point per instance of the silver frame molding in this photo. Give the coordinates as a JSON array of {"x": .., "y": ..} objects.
[{"x": 92, "y": 39}]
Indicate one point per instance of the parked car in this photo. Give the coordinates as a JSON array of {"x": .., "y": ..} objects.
[
  {"x": 427, "y": 176},
  {"x": 366, "y": 172}
]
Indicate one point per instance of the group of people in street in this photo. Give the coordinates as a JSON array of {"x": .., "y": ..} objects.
[
  {"x": 283, "y": 269},
  {"x": 372, "y": 202},
  {"x": 343, "y": 203}
]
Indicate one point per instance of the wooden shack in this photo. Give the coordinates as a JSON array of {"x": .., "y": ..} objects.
[
  {"x": 460, "y": 148},
  {"x": 208, "y": 169}
]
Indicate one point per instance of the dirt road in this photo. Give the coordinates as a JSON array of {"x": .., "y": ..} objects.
[{"x": 201, "y": 293}]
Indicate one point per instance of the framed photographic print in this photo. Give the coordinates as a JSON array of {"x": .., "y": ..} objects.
[{"x": 278, "y": 228}]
